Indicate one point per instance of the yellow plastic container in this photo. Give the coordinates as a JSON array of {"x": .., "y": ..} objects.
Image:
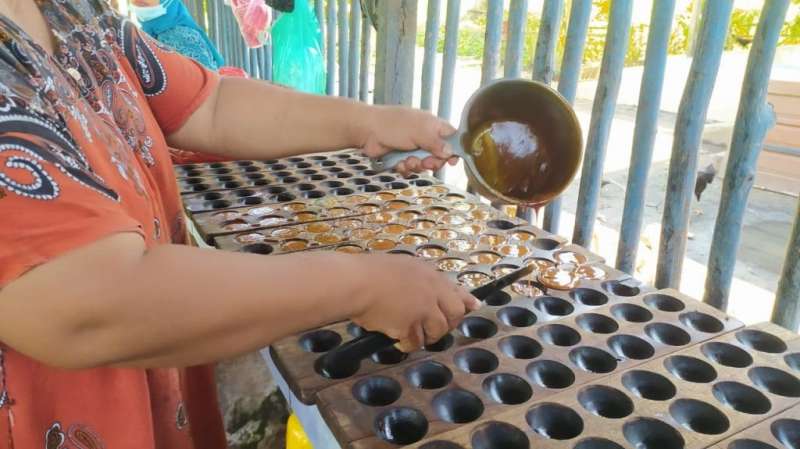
[{"x": 295, "y": 435}]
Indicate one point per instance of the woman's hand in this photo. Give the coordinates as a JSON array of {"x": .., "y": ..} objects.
[
  {"x": 389, "y": 128},
  {"x": 410, "y": 301}
]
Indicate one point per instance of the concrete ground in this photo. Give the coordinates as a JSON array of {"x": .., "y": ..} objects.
[{"x": 769, "y": 215}]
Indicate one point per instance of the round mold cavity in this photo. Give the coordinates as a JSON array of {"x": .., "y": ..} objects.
[
  {"x": 499, "y": 435},
  {"x": 377, "y": 391},
  {"x": 261, "y": 182},
  {"x": 749, "y": 444},
  {"x": 343, "y": 191},
  {"x": 667, "y": 334},
  {"x": 550, "y": 374},
  {"x": 631, "y": 313},
  {"x": 355, "y": 330},
  {"x": 270, "y": 162},
  {"x": 650, "y": 433},
  {"x": 389, "y": 356},
  {"x": 320, "y": 341},
  {"x": 699, "y": 416},
  {"x": 232, "y": 185},
  {"x": 369, "y": 172},
  {"x": 588, "y": 296},
  {"x": 295, "y": 159},
  {"x": 397, "y": 185},
  {"x": 664, "y": 303},
  {"x": 220, "y": 204},
  {"x": 200, "y": 187},
  {"x": 475, "y": 361},
  {"x": 385, "y": 178},
  {"x": 442, "y": 345},
  {"x": 359, "y": 181},
  {"x": 507, "y": 389},
  {"x": 545, "y": 244},
  {"x": 327, "y": 163},
  {"x": 477, "y": 327},
  {"x": 793, "y": 361},
  {"x": 401, "y": 425},
  {"x": 253, "y": 200},
  {"x": 775, "y": 381},
  {"x": 332, "y": 184},
  {"x": 305, "y": 187},
  {"x": 761, "y": 341},
  {"x": 742, "y": 398},
  {"x": 593, "y": 360},
  {"x": 244, "y": 193},
  {"x": 787, "y": 431},
  {"x": 286, "y": 197},
  {"x": 211, "y": 196},
  {"x": 554, "y": 306},
  {"x": 500, "y": 224},
  {"x": 554, "y": 421},
  {"x": 318, "y": 157},
  {"x": 369, "y": 188},
  {"x": 649, "y": 385},
  {"x": 596, "y": 323},
  {"x": 303, "y": 165},
  {"x": 520, "y": 347},
  {"x": 457, "y": 406},
  {"x": 307, "y": 171},
  {"x": 352, "y": 161},
  {"x": 620, "y": 289},
  {"x": 253, "y": 176},
  {"x": 221, "y": 171},
  {"x": 275, "y": 190},
  {"x": 631, "y": 347},
  {"x": 605, "y": 401},
  {"x": 597, "y": 443},
  {"x": 498, "y": 298},
  {"x": 727, "y": 354},
  {"x": 317, "y": 177},
  {"x": 421, "y": 183},
  {"x": 257, "y": 248},
  {"x": 690, "y": 369},
  {"x": 429, "y": 375},
  {"x": 192, "y": 181},
  {"x": 244, "y": 163},
  {"x": 516, "y": 316},
  {"x": 441, "y": 445},
  {"x": 282, "y": 174},
  {"x": 559, "y": 335}
]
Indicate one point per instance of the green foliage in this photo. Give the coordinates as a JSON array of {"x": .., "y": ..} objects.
[{"x": 742, "y": 28}]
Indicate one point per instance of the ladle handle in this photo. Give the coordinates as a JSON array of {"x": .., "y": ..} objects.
[
  {"x": 390, "y": 160},
  {"x": 363, "y": 346}
]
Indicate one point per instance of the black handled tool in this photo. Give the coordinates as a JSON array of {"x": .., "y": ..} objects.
[{"x": 345, "y": 360}]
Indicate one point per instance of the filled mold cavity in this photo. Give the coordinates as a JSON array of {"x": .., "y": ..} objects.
[
  {"x": 649, "y": 385},
  {"x": 589, "y": 296},
  {"x": 667, "y": 334},
  {"x": 664, "y": 303},
  {"x": 499, "y": 435},
  {"x": 507, "y": 389},
  {"x": 699, "y": 416},
  {"x": 520, "y": 347},
  {"x": 401, "y": 425},
  {"x": 477, "y": 327},
  {"x": 593, "y": 360},
  {"x": 554, "y": 421},
  {"x": 457, "y": 406},
  {"x": 605, "y": 401},
  {"x": 690, "y": 369},
  {"x": 553, "y": 305},
  {"x": 516, "y": 316},
  {"x": 429, "y": 375},
  {"x": 550, "y": 374},
  {"x": 377, "y": 391},
  {"x": 650, "y": 433},
  {"x": 702, "y": 322},
  {"x": 727, "y": 354},
  {"x": 631, "y": 313},
  {"x": 559, "y": 335},
  {"x": 742, "y": 398},
  {"x": 631, "y": 347},
  {"x": 787, "y": 431},
  {"x": 775, "y": 381},
  {"x": 476, "y": 361},
  {"x": 621, "y": 288},
  {"x": 761, "y": 341},
  {"x": 596, "y": 323},
  {"x": 320, "y": 341},
  {"x": 443, "y": 344}
]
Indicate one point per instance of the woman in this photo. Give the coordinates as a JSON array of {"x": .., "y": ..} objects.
[{"x": 101, "y": 306}]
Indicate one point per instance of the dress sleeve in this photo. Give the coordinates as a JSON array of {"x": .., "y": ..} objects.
[
  {"x": 52, "y": 198},
  {"x": 175, "y": 86}
]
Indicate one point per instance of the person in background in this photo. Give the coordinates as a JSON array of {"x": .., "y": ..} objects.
[{"x": 170, "y": 23}]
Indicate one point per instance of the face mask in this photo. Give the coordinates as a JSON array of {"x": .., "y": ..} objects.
[{"x": 147, "y": 13}]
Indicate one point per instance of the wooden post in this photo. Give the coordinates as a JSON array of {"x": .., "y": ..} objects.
[
  {"x": 492, "y": 40},
  {"x": 787, "y": 299},
  {"x": 517, "y": 17},
  {"x": 354, "y": 52},
  {"x": 429, "y": 58},
  {"x": 343, "y": 48},
  {"x": 330, "y": 47},
  {"x": 754, "y": 118},
  {"x": 394, "y": 68},
  {"x": 366, "y": 55}
]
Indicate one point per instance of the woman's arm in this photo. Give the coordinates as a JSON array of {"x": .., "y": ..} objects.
[
  {"x": 250, "y": 119},
  {"x": 115, "y": 303}
]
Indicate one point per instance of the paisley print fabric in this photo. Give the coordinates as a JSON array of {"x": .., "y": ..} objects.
[{"x": 83, "y": 155}]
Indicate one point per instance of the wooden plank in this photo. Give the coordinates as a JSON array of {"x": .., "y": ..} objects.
[
  {"x": 784, "y": 135},
  {"x": 394, "y": 70},
  {"x": 784, "y": 88}
]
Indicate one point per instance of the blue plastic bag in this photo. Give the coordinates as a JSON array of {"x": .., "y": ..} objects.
[{"x": 297, "y": 59}]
